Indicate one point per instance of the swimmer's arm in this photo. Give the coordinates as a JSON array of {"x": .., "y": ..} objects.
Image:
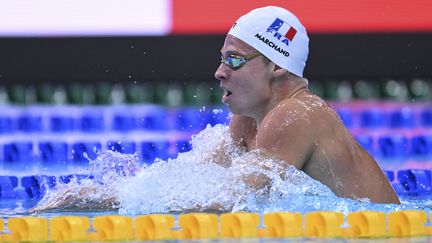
[
  {"x": 218, "y": 155},
  {"x": 86, "y": 197},
  {"x": 240, "y": 129},
  {"x": 287, "y": 147},
  {"x": 290, "y": 141}
]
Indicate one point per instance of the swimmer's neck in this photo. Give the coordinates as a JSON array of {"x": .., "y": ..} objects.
[{"x": 283, "y": 90}]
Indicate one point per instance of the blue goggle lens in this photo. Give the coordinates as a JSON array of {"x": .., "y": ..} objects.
[{"x": 233, "y": 61}]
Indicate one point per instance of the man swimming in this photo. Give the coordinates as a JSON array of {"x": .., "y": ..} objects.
[
  {"x": 261, "y": 72},
  {"x": 275, "y": 115}
]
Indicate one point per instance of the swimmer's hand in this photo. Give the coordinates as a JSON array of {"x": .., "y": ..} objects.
[
  {"x": 212, "y": 208},
  {"x": 219, "y": 154},
  {"x": 257, "y": 181},
  {"x": 85, "y": 198}
]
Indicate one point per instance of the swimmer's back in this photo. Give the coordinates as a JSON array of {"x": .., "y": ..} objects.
[
  {"x": 305, "y": 132},
  {"x": 339, "y": 161}
]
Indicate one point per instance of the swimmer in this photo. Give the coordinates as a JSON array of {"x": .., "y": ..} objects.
[{"x": 261, "y": 73}]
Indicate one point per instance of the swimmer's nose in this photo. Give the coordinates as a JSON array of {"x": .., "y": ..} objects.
[{"x": 220, "y": 73}]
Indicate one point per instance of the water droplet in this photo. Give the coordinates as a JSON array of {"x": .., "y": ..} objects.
[
  {"x": 217, "y": 111},
  {"x": 197, "y": 179}
]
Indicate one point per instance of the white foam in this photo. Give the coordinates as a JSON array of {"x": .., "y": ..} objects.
[{"x": 211, "y": 176}]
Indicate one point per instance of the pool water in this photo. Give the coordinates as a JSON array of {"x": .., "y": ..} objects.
[
  {"x": 135, "y": 172},
  {"x": 192, "y": 181}
]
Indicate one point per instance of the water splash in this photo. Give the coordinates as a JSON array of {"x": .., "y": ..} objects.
[
  {"x": 214, "y": 175},
  {"x": 109, "y": 170}
]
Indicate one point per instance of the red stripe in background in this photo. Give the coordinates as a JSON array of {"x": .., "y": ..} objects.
[{"x": 330, "y": 16}]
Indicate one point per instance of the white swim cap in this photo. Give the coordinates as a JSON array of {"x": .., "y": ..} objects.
[{"x": 277, "y": 34}]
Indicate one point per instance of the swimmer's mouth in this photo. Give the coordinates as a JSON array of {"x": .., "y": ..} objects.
[
  {"x": 227, "y": 94},
  {"x": 226, "y": 91}
]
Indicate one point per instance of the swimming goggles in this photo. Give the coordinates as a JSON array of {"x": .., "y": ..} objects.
[{"x": 235, "y": 61}]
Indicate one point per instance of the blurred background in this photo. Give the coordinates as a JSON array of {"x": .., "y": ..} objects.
[
  {"x": 137, "y": 76},
  {"x": 63, "y": 43}
]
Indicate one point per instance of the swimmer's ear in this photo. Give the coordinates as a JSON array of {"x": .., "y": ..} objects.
[{"x": 279, "y": 72}]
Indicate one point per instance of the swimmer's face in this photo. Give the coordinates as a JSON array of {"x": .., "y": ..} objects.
[{"x": 247, "y": 87}]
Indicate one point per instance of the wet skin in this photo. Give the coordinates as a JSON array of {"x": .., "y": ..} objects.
[{"x": 275, "y": 112}]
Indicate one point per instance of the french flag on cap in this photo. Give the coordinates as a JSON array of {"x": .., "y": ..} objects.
[{"x": 279, "y": 26}]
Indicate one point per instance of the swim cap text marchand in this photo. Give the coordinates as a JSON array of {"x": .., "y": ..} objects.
[{"x": 272, "y": 45}]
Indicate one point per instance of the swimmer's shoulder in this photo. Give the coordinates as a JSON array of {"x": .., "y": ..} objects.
[
  {"x": 312, "y": 105},
  {"x": 298, "y": 115},
  {"x": 288, "y": 118},
  {"x": 287, "y": 132},
  {"x": 294, "y": 108}
]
